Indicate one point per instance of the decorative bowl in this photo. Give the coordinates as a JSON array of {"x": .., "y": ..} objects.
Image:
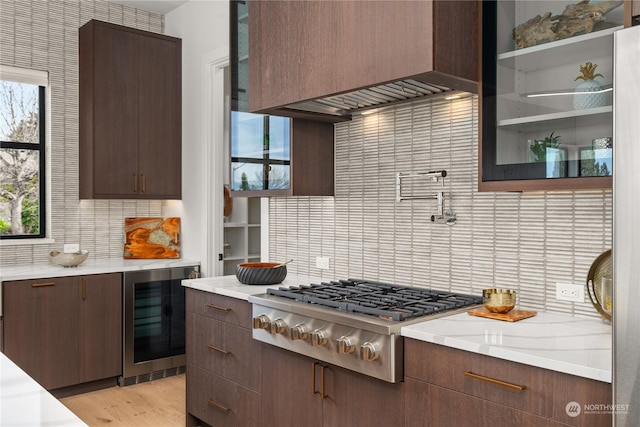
[
  {"x": 69, "y": 259},
  {"x": 499, "y": 300},
  {"x": 261, "y": 273}
]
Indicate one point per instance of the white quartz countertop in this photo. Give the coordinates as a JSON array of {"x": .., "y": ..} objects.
[
  {"x": 230, "y": 286},
  {"x": 579, "y": 346},
  {"x": 111, "y": 265},
  {"x": 26, "y": 403}
]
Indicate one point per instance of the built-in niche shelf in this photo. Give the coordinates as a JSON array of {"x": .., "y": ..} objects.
[{"x": 242, "y": 234}]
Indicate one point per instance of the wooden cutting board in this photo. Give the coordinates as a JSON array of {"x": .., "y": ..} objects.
[
  {"x": 152, "y": 238},
  {"x": 512, "y": 316}
]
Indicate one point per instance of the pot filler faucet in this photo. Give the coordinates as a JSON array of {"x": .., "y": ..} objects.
[{"x": 448, "y": 217}]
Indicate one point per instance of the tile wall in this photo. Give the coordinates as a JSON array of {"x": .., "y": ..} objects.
[
  {"x": 526, "y": 242},
  {"x": 43, "y": 35}
]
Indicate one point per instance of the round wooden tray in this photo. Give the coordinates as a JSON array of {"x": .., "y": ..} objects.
[{"x": 602, "y": 266}]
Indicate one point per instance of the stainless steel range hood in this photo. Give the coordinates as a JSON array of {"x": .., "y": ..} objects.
[
  {"x": 373, "y": 97},
  {"x": 341, "y": 107}
]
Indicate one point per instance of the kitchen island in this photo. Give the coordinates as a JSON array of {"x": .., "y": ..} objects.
[
  {"x": 574, "y": 345},
  {"x": 542, "y": 361},
  {"x": 27, "y": 403}
]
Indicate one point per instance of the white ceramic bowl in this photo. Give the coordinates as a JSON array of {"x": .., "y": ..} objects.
[{"x": 70, "y": 259}]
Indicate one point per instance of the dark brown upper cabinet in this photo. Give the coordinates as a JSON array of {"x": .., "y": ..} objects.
[
  {"x": 540, "y": 127},
  {"x": 130, "y": 113},
  {"x": 302, "y": 51}
]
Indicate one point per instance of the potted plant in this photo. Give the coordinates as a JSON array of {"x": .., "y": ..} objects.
[
  {"x": 583, "y": 98},
  {"x": 539, "y": 147}
]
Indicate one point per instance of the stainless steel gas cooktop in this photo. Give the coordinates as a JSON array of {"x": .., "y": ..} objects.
[{"x": 351, "y": 323}]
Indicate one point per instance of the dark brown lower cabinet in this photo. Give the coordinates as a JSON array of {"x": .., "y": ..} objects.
[
  {"x": 446, "y": 387},
  {"x": 223, "y": 362},
  {"x": 299, "y": 391},
  {"x": 65, "y": 331}
]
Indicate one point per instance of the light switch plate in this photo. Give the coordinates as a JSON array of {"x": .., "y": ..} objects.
[{"x": 71, "y": 247}]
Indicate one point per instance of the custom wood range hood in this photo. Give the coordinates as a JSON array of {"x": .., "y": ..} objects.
[{"x": 329, "y": 60}]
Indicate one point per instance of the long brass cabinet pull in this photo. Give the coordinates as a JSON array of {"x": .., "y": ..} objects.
[
  {"x": 217, "y": 307},
  {"x": 40, "y": 285},
  {"x": 494, "y": 381},
  {"x": 144, "y": 183},
  {"x": 211, "y": 402},
  {"x": 313, "y": 380},
  {"x": 84, "y": 288},
  {"x": 219, "y": 350},
  {"x": 135, "y": 182}
]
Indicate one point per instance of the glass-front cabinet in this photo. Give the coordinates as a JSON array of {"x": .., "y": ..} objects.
[
  {"x": 260, "y": 159},
  {"x": 547, "y": 110}
]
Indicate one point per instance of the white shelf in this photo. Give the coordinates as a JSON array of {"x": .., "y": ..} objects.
[
  {"x": 557, "y": 120},
  {"x": 562, "y": 52},
  {"x": 235, "y": 224},
  {"x": 242, "y": 233}
]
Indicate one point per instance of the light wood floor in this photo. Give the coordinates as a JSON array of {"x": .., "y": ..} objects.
[{"x": 158, "y": 403}]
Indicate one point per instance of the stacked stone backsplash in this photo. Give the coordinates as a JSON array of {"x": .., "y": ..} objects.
[
  {"x": 43, "y": 35},
  {"x": 522, "y": 241}
]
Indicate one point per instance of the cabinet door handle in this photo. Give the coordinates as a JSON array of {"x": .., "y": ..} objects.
[
  {"x": 84, "y": 288},
  {"x": 144, "y": 183},
  {"x": 322, "y": 393},
  {"x": 217, "y": 307},
  {"x": 135, "y": 182},
  {"x": 313, "y": 378},
  {"x": 494, "y": 381},
  {"x": 211, "y": 402},
  {"x": 219, "y": 350},
  {"x": 40, "y": 285}
]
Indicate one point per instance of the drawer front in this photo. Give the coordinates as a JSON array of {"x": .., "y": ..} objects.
[
  {"x": 219, "y": 402},
  {"x": 219, "y": 307},
  {"x": 450, "y": 368},
  {"x": 224, "y": 349},
  {"x": 242, "y": 363},
  {"x": 546, "y": 393},
  {"x": 205, "y": 343}
]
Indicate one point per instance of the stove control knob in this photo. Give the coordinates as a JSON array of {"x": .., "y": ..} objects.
[
  {"x": 278, "y": 327},
  {"x": 346, "y": 345},
  {"x": 261, "y": 322},
  {"x": 369, "y": 352},
  {"x": 319, "y": 337},
  {"x": 299, "y": 332}
]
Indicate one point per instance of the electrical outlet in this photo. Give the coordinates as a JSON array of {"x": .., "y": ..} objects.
[
  {"x": 322, "y": 262},
  {"x": 70, "y": 248},
  {"x": 569, "y": 292}
]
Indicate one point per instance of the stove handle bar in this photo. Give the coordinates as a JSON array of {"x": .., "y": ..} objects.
[{"x": 494, "y": 381}]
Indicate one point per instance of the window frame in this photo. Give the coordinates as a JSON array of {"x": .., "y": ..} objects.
[{"x": 40, "y": 79}]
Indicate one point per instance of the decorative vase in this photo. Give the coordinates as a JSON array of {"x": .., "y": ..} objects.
[{"x": 583, "y": 101}]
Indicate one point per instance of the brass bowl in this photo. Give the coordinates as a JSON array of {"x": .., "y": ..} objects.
[{"x": 499, "y": 300}]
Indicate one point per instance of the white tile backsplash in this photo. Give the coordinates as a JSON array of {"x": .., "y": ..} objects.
[{"x": 524, "y": 241}]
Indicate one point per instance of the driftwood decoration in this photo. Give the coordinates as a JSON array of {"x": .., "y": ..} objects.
[{"x": 576, "y": 19}]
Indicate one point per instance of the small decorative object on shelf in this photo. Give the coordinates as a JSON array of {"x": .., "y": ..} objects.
[
  {"x": 539, "y": 147},
  {"x": 584, "y": 98},
  {"x": 576, "y": 19}
]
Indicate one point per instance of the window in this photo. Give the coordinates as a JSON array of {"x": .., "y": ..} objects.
[{"x": 22, "y": 153}]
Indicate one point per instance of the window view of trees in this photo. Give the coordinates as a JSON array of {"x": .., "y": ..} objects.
[{"x": 21, "y": 160}]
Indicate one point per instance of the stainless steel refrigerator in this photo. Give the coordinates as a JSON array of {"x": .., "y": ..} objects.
[{"x": 626, "y": 228}]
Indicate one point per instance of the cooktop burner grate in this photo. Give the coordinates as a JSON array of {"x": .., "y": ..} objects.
[{"x": 386, "y": 301}]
